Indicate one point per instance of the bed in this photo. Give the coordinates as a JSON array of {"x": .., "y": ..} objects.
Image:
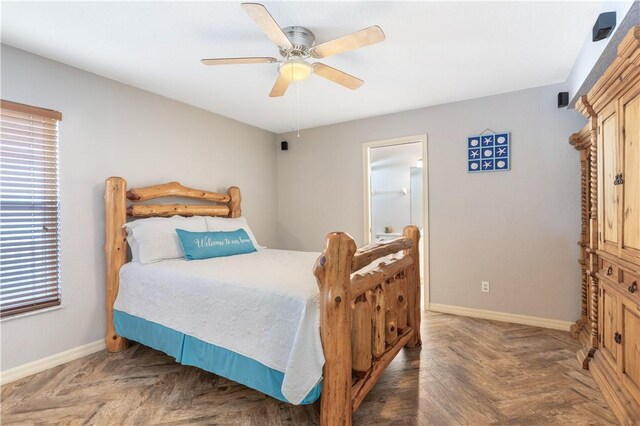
[{"x": 294, "y": 325}]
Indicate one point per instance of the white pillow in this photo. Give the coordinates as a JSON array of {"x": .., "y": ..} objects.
[
  {"x": 155, "y": 239},
  {"x": 231, "y": 224}
]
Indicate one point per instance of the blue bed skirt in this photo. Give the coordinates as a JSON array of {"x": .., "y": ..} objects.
[{"x": 188, "y": 350}]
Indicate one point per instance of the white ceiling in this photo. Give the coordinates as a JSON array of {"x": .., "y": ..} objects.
[{"x": 435, "y": 52}]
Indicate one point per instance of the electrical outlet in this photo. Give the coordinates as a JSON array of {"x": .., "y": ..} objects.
[{"x": 485, "y": 286}]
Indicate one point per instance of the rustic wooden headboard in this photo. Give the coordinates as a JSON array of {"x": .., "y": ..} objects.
[{"x": 120, "y": 203}]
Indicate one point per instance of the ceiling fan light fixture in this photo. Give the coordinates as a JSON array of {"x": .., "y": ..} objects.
[
  {"x": 297, "y": 44},
  {"x": 295, "y": 70}
]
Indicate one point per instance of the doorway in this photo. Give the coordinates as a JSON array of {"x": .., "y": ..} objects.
[{"x": 395, "y": 182}]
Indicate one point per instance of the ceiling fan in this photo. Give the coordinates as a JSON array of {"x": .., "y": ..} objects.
[{"x": 297, "y": 45}]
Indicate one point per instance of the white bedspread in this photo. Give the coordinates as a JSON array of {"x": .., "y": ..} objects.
[{"x": 263, "y": 305}]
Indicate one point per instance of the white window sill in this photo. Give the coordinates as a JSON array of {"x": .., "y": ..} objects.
[{"x": 30, "y": 313}]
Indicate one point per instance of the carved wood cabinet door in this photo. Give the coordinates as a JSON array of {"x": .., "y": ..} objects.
[
  {"x": 609, "y": 324},
  {"x": 629, "y": 111},
  {"x": 609, "y": 193},
  {"x": 629, "y": 348}
]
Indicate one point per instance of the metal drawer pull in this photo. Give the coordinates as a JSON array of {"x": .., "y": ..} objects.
[
  {"x": 618, "y": 179},
  {"x": 633, "y": 287},
  {"x": 617, "y": 337},
  {"x": 609, "y": 271}
]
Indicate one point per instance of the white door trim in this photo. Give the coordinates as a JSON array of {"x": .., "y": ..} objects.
[{"x": 366, "y": 158}]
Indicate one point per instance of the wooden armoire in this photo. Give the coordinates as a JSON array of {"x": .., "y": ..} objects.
[{"x": 609, "y": 146}]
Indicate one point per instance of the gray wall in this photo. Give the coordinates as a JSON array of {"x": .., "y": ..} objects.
[
  {"x": 516, "y": 229},
  {"x": 111, "y": 129}
]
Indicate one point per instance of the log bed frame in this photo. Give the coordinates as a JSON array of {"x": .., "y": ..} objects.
[{"x": 369, "y": 314}]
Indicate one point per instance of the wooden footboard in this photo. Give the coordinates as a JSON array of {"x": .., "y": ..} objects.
[{"x": 367, "y": 314}]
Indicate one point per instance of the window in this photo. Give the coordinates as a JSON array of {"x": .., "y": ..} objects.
[{"x": 29, "y": 209}]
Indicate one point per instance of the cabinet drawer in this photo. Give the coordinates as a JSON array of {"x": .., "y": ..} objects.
[
  {"x": 609, "y": 270},
  {"x": 631, "y": 286}
]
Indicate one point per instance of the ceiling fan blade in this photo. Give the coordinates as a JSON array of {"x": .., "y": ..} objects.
[
  {"x": 337, "y": 76},
  {"x": 267, "y": 24},
  {"x": 280, "y": 87},
  {"x": 351, "y": 41},
  {"x": 228, "y": 61}
]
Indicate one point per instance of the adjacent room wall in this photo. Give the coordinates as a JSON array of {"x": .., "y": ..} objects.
[
  {"x": 390, "y": 175},
  {"x": 110, "y": 129},
  {"x": 516, "y": 229}
]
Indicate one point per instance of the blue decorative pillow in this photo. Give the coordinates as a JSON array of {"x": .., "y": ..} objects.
[{"x": 207, "y": 245}]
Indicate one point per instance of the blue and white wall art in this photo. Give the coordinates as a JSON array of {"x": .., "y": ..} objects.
[{"x": 488, "y": 153}]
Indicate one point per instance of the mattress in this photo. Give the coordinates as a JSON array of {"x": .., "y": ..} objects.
[{"x": 262, "y": 307}]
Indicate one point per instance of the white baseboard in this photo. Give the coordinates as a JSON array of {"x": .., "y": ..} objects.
[
  {"x": 34, "y": 367},
  {"x": 501, "y": 316}
]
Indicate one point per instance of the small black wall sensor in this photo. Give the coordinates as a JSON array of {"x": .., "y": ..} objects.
[
  {"x": 605, "y": 24},
  {"x": 563, "y": 99},
  {"x": 284, "y": 146}
]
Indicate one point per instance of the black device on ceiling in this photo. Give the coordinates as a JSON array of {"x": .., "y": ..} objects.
[
  {"x": 284, "y": 146},
  {"x": 563, "y": 99},
  {"x": 604, "y": 25}
]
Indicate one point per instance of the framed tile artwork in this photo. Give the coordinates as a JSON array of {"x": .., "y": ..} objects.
[{"x": 489, "y": 152}]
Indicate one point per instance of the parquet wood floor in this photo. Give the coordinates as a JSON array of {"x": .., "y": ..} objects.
[{"x": 468, "y": 371}]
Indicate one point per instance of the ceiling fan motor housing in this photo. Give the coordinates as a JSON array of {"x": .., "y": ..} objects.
[{"x": 302, "y": 40}]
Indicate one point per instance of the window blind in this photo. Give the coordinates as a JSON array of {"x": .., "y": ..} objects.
[{"x": 29, "y": 208}]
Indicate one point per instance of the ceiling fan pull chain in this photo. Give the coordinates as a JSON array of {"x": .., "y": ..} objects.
[{"x": 298, "y": 93}]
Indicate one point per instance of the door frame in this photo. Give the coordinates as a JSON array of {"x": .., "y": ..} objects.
[{"x": 366, "y": 160}]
